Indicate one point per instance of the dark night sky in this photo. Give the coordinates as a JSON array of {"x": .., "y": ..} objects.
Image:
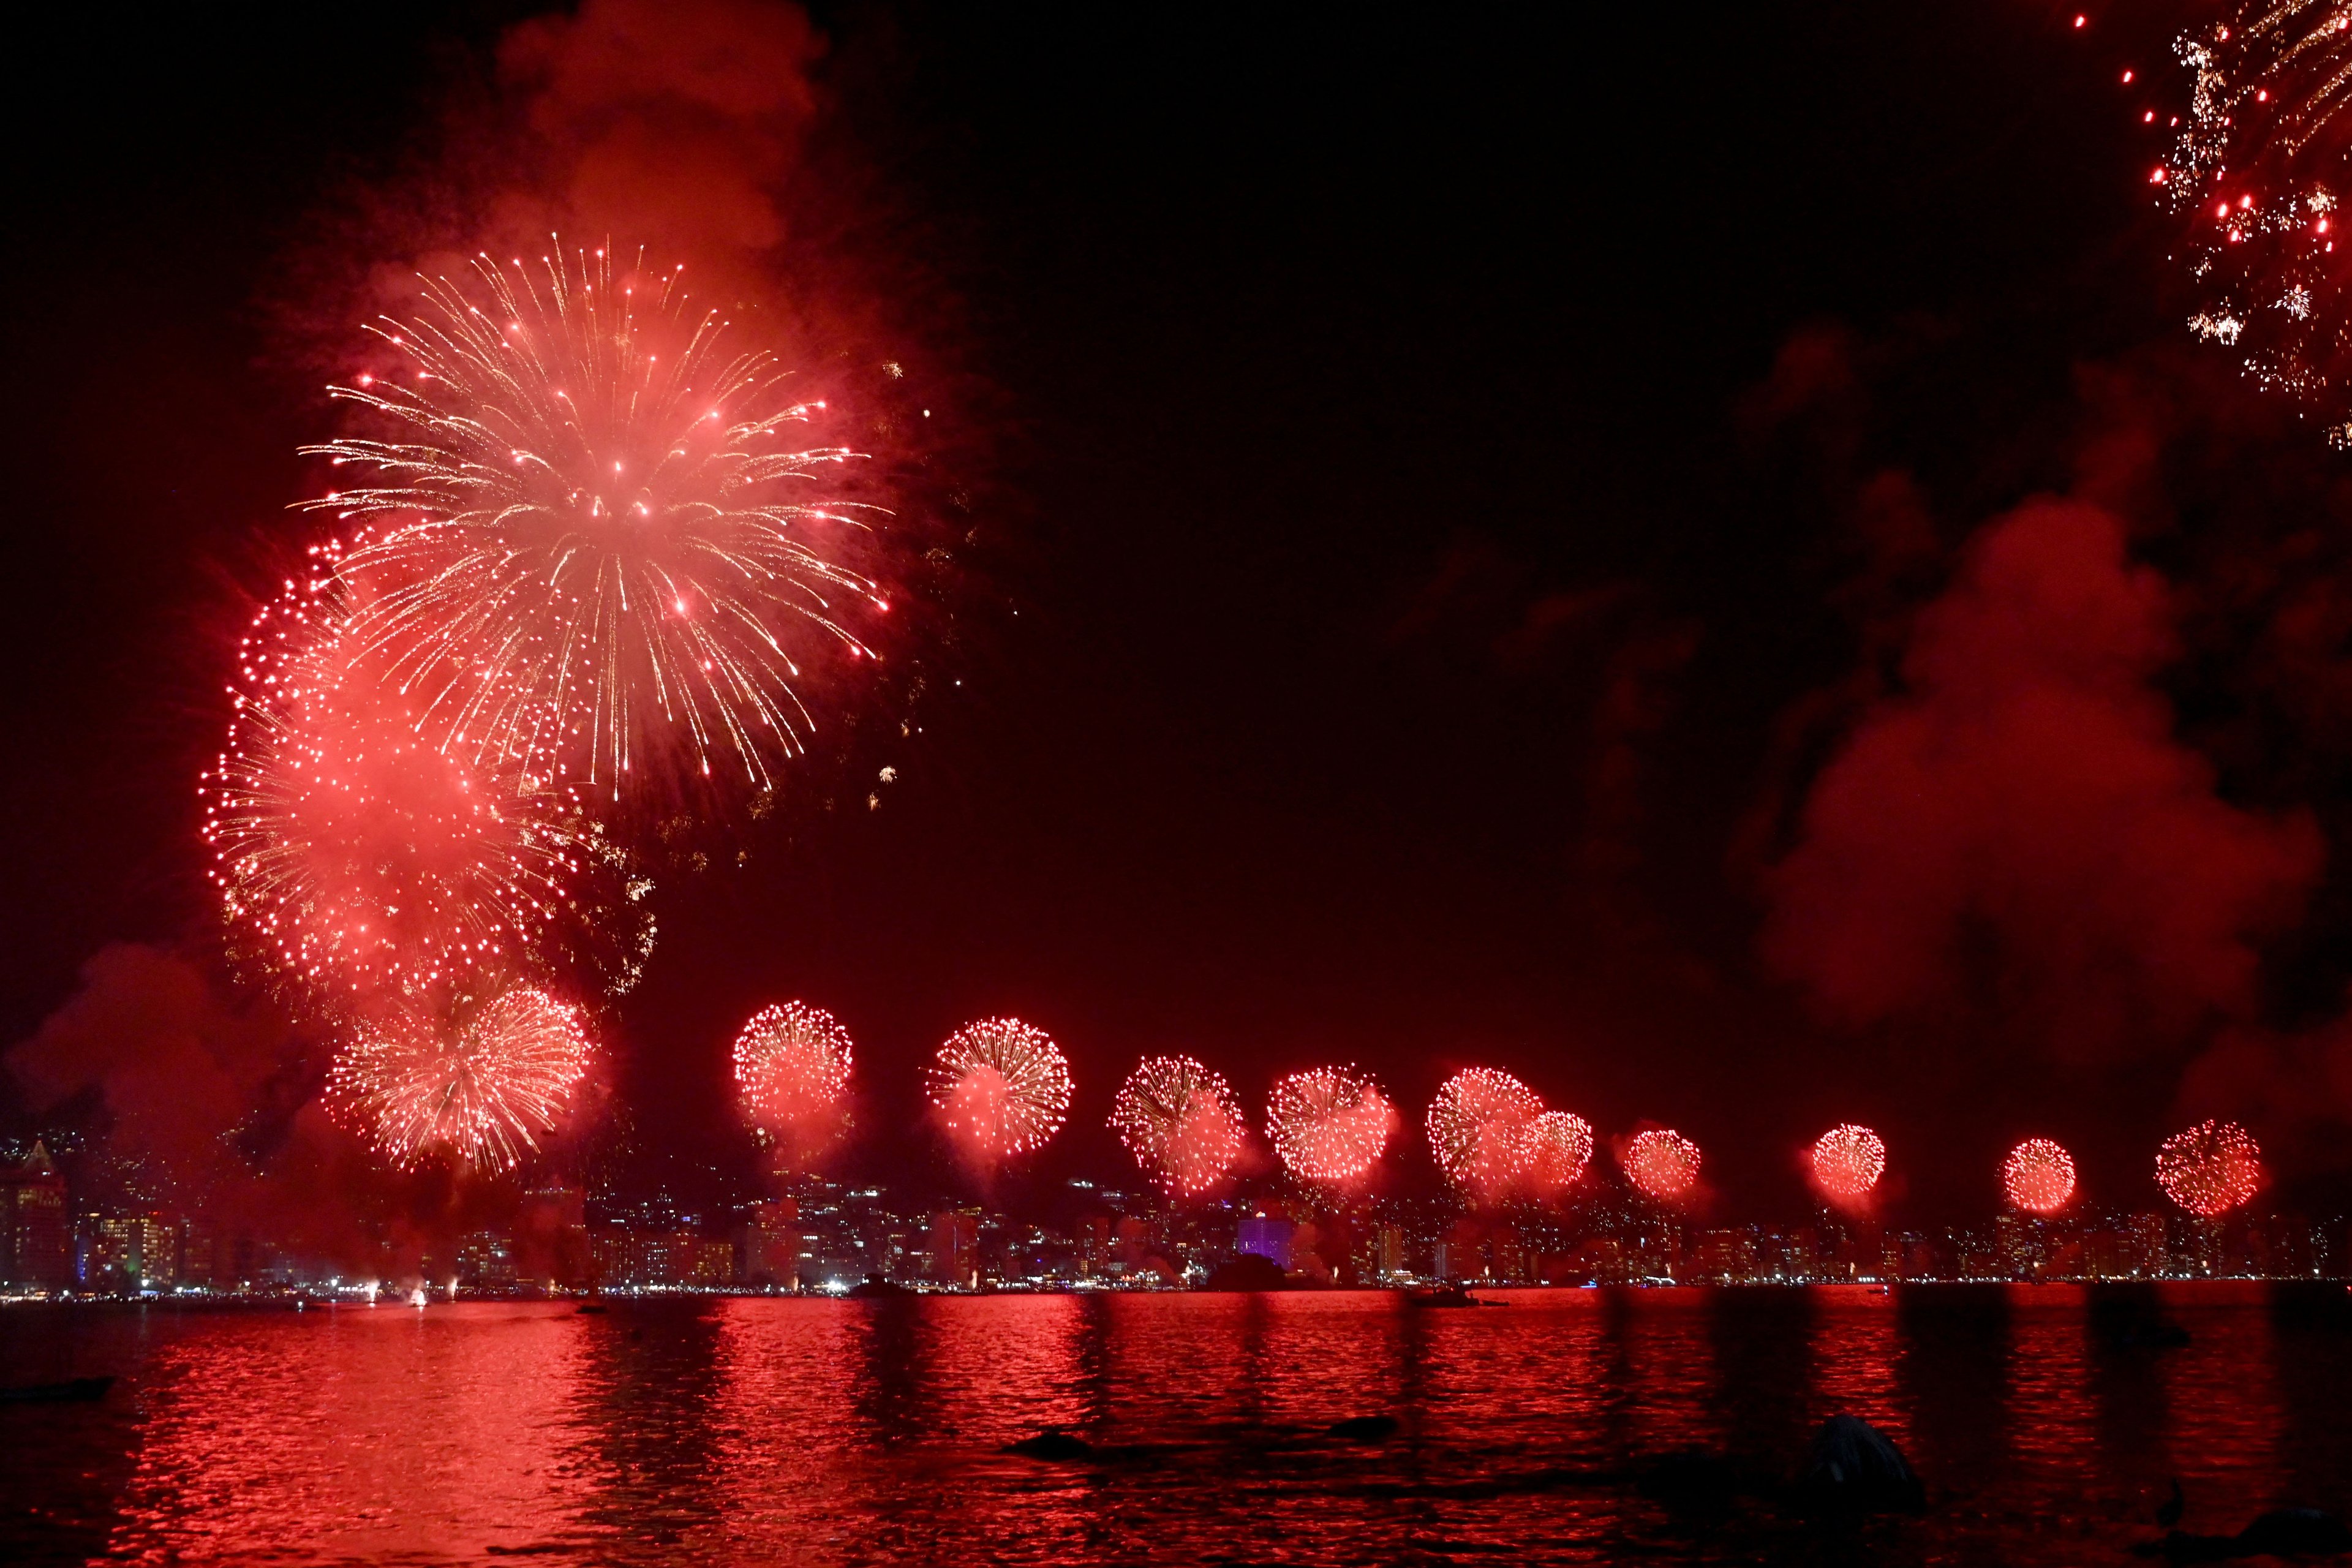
[{"x": 1407, "y": 608}]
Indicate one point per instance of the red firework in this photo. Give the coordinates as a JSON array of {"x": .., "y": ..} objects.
[
  {"x": 483, "y": 1090},
  {"x": 1001, "y": 1086},
  {"x": 1848, "y": 1160},
  {"x": 2210, "y": 1169},
  {"x": 2038, "y": 1177},
  {"x": 1181, "y": 1122},
  {"x": 1553, "y": 1149},
  {"x": 791, "y": 1067},
  {"x": 1662, "y": 1162},
  {"x": 1329, "y": 1124},
  {"x": 1475, "y": 1125}
]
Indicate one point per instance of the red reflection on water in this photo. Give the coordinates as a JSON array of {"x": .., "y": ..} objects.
[
  {"x": 1856, "y": 1342},
  {"x": 263, "y": 1436},
  {"x": 2050, "y": 1418},
  {"x": 2220, "y": 1392}
]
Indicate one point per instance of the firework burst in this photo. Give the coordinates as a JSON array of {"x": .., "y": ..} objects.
[
  {"x": 483, "y": 1091},
  {"x": 602, "y": 549},
  {"x": 1002, "y": 1087},
  {"x": 1329, "y": 1124},
  {"x": 1848, "y": 1160},
  {"x": 791, "y": 1068},
  {"x": 2256, "y": 176},
  {"x": 1181, "y": 1122},
  {"x": 1475, "y": 1126},
  {"x": 1662, "y": 1162},
  {"x": 2209, "y": 1169},
  {"x": 353, "y": 858},
  {"x": 1552, "y": 1152},
  {"x": 2038, "y": 1177}
]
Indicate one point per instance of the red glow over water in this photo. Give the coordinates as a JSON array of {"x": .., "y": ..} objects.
[{"x": 834, "y": 1432}]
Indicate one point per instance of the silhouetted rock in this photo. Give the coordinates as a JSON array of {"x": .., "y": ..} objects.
[
  {"x": 1856, "y": 1469},
  {"x": 1052, "y": 1443},
  {"x": 1248, "y": 1273},
  {"x": 2169, "y": 1511},
  {"x": 1364, "y": 1429},
  {"x": 2281, "y": 1532}
]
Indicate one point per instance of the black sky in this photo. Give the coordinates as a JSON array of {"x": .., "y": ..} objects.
[{"x": 1337, "y": 357}]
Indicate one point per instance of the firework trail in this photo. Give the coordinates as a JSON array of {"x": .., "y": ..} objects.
[
  {"x": 482, "y": 1092},
  {"x": 1662, "y": 1162},
  {"x": 601, "y": 551},
  {"x": 2209, "y": 1169},
  {"x": 1551, "y": 1153},
  {"x": 791, "y": 1068},
  {"x": 2255, "y": 177},
  {"x": 2038, "y": 1177},
  {"x": 352, "y": 858},
  {"x": 1475, "y": 1126},
  {"x": 1329, "y": 1124},
  {"x": 1002, "y": 1087},
  {"x": 1848, "y": 1160},
  {"x": 1181, "y": 1122}
]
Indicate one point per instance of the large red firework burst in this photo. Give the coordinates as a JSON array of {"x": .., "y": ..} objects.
[
  {"x": 1662, "y": 1162},
  {"x": 2209, "y": 1169},
  {"x": 1848, "y": 1160},
  {"x": 482, "y": 1090},
  {"x": 1329, "y": 1124},
  {"x": 2038, "y": 1177},
  {"x": 791, "y": 1068},
  {"x": 353, "y": 858},
  {"x": 1180, "y": 1122},
  {"x": 1002, "y": 1088},
  {"x": 1552, "y": 1152},
  {"x": 1475, "y": 1126}
]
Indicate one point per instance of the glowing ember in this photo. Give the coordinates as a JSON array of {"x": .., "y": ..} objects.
[
  {"x": 1329, "y": 1124},
  {"x": 1002, "y": 1087},
  {"x": 1848, "y": 1160},
  {"x": 602, "y": 549},
  {"x": 1181, "y": 1122},
  {"x": 792, "y": 1066},
  {"x": 352, "y": 858},
  {"x": 1552, "y": 1152},
  {"x": 1662, "y": 1162},
  {"x": 2038, "y": 1177},
  {"x": 1475, "y": 1126},
  {"x": 2210, "y": 1169},
  {"x": 2255, "y": 178},
  {"x": 482, "y": 1092}
]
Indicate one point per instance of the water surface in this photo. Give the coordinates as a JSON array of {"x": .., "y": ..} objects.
[{"x": 749, "y": 1430}]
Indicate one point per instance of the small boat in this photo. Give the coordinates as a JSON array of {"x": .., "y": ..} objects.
[
  {"x": 1445, "y": 1296},
  {"x": 873, "y": 1287},
  {"x": 72, "y": 1390},
  {"x": 588, "y": 1309}
]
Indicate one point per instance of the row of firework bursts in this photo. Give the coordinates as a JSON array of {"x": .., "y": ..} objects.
[{"x": 1001, "y": 1089}]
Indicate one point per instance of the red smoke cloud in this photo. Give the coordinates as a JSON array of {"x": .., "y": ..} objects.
[{"x": 2020, "y": 828}]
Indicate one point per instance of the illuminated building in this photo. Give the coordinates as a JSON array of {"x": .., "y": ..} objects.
[
  {"x": 486, "y": 1261},
  {"x": 1267, "y": 1236},
  {"x": 36, "y": 1235},
  {"x": 955, "y": 1247}
]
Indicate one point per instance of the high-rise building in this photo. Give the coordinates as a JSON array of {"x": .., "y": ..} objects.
[
  {"x": 36, "y": 1249},
  {"x": 1265, "y": 1236},
  {"x": 955, "y": 1247}
]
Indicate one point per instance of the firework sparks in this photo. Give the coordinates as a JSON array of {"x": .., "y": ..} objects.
[
  {"x": 2254, "y": 176},
  {"x": 1553, "y": 1150},
  {"x": 1002, "y": 1087},
  {"x": 1475, "y": 1125},
  {"x": 352, "y": 858},
  {"x": 1848, "y": 1160},
  {"x": 483, "y": 1092},
  {"x": 1181, "y": 1122},
  {"x": 601, "y": 548},
  {"x": 2210, "y": 1169},
  {"x": 2038, "y": 1177},
  {"x": 1329, "y": 1124},
  {"x": 791, "y": 1067},
  {"x": 1662, "y": 1162}
]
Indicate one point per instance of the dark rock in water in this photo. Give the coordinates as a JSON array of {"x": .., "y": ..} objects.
[
  {"x": 1856, "y": 1469},
  {"x": 1248, "y": 1272},
  {"x": 73, "y": 1391},
  {"x": 1052, "y": 1443},
  {"x": 2169, "y": 1511},
  {"x": 2281, "y": 1532},
  {"x": 1692, "y": 1484},
  {"x": 1364, "y": 1429}
]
